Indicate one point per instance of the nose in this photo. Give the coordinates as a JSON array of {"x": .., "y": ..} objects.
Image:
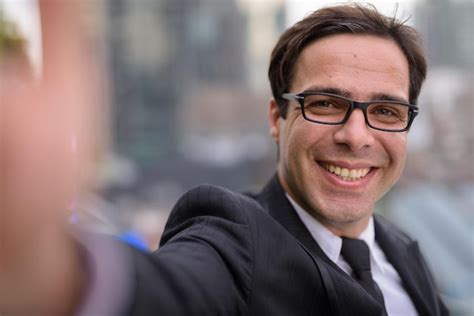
[{"x": 355, "y": 133}]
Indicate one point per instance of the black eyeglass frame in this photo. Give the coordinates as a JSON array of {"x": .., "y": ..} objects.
[{"x": 300, "y": 97}]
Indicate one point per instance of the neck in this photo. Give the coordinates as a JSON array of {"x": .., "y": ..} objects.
[
  {"x": 350, "y": 229},
  {"x": 338, "y": 225}
]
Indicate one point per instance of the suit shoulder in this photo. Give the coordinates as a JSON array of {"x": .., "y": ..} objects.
[
  {"x": 212, "y": 202},
  {"x": 205, "y": 258}
]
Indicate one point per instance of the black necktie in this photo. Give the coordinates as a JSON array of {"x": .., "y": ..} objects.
[{"x": 357, "y": 254}]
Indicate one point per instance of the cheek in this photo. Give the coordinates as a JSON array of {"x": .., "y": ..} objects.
[
  {"x": 294, "y": 141},
  {"x": 397, "y": 150},
  {"x": 308, "y": 138}
]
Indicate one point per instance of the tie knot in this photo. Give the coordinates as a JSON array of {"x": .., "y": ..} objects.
[{"x": 356, "y": 253}]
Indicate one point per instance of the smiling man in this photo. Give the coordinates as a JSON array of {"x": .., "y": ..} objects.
[
  {"x": 345, "y": 81},
  {"x": 338, "y": 157},
  {"x": 335, "y": 162}
]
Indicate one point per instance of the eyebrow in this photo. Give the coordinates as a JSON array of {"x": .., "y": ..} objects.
[
  {"x": 347, "y": 94},
  {"x": 341, "y": 92},
  {"x": 388, "y": 97}
]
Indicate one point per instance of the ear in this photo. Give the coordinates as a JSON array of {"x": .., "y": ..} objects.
[{"x": 274, "y": 120}]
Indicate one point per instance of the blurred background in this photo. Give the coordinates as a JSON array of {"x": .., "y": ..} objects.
[{"x": 187, "y": 87}]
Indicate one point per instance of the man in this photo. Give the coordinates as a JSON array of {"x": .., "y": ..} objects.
[{"x": 344, "y": 82}]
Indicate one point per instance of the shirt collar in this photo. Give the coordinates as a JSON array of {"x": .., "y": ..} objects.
[{"x": 330, "y": 243}]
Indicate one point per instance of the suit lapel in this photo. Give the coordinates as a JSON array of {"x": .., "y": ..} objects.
[
  {"x": 405, "y": 257},
  {"x": 273, "y": 199}
]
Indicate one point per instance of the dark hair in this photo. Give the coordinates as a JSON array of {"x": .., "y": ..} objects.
[{"x": 343, "y": 19}]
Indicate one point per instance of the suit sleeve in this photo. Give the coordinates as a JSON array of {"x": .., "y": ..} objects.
[{"x": 203, "y": 265}]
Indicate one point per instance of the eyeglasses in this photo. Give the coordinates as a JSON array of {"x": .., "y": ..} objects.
[{"x": 332, "y": 109}]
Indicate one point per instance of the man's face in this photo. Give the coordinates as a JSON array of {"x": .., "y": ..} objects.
[{"x": 362, "y": 68}]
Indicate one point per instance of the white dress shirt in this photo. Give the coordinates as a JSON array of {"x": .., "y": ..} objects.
[{"x": 397, "y": 300}]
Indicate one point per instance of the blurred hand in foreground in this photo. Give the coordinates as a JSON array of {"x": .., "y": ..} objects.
[{"x": 45, "y": 150}]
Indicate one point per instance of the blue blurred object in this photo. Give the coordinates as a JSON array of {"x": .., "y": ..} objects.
[{"x": 134, "y": 239}]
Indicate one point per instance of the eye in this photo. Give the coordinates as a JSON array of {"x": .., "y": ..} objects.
[
  {"x": 321, "y": 104},
  {"x": 392, "y": 112},
  {"x": 385, "y": 111}
]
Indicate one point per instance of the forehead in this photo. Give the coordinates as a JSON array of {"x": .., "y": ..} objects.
[{"x": 363, "y": 65}]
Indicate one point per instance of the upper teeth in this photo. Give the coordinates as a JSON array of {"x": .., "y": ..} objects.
[{"x": 347, "y": 174}]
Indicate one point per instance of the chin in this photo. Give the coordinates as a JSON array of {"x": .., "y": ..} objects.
[{"x": 342, "y": 212}]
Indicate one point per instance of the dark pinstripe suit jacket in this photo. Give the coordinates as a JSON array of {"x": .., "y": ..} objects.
[{"x": 224, "y": 253}]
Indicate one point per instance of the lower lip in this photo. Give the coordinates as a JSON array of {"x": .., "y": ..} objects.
[{"x": 352, "y": 185}]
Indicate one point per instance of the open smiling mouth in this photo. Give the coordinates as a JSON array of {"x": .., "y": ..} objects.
[{"x": 345, "y": 173}]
